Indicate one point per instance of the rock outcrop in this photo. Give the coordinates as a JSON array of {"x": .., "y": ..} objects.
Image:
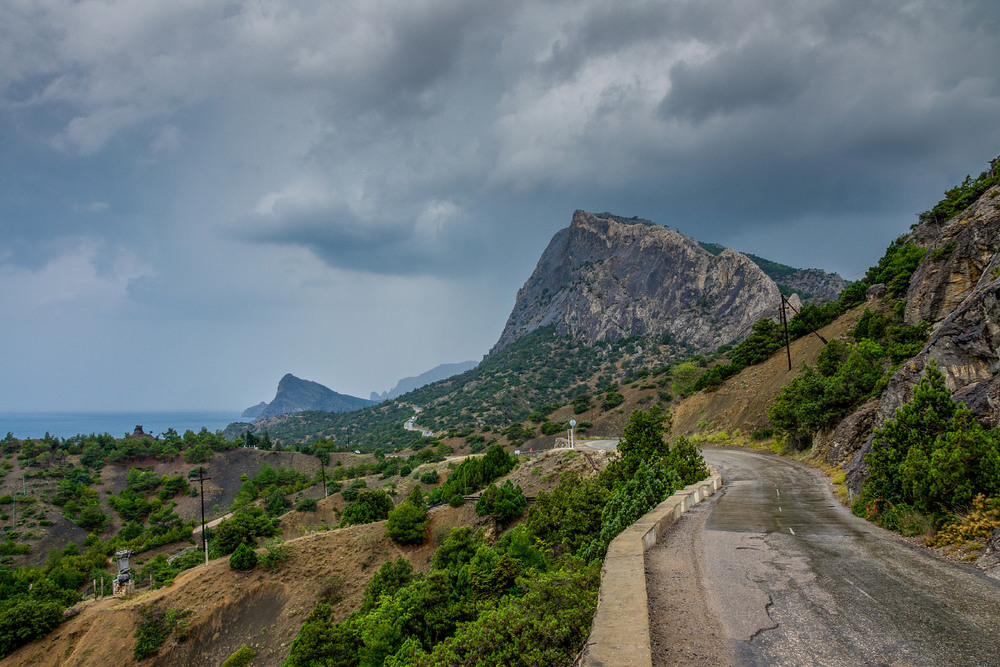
[
  {"x": 297, "y": 395},
  {"x": 957, "y": 289},
  {"x": 605, "y": 278},
  {"x": 959, "y": 252}
]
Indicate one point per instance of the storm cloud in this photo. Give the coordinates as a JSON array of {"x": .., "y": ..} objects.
[{"x": 219, "y": 193}]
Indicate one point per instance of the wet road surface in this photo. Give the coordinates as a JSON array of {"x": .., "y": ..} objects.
[{"x": 795, "y": 579}]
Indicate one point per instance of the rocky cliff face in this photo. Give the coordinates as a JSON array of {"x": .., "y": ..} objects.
[
  {"x": 606, "y": 278},
  {"x": 815, "y": 283},
  {"x": 957, "y": 289},
  {"x": 297, "y": 395}
]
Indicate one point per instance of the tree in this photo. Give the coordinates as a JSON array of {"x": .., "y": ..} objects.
[
  {"x": 392, "y": 576},
  {"x": 406, "y": 523},
  {"x": 503, "y": 503},
  {"x": 684, "y": 376},
  {"x": 277, "y": 503},
  {"x": 643, "y": 438},
  {"x": 244, "y": 527},
  {"x": 370, "y": 506},
  {"x": 933, "y": 455}
]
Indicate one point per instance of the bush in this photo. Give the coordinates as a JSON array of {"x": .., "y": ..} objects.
[
  {"x": 241, "y": 658},
  {"x": 244, "y": 558},
  {"x": 503, "y": 503},
  {"x": 933, "y": 455},
  {"x": 155, "y": 625},
  {"x": 244, "y": 527},
  {"x": 26, "y": 620},
  {"x": 370, "y": 506},
  {"x": 406, "y": 523},
  {"x": 273, "y": 557},
  {"x": 306, "y": 505},
  {"x": 430, "y": 477},
  {"x": 277, "y": 503}
]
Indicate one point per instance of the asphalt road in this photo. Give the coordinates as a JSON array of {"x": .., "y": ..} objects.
[{"x": 794, "y": 578}]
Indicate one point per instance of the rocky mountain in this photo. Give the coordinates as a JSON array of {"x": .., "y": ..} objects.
[
  {"x": 605, "y": 278},
  {"x": 808, "y": 283},
  {"x": 408, "y": 384},
  {"x": 297, "y": 395}
]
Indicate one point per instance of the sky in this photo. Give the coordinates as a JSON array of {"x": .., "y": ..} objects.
[{"x": 198, "y": 197}]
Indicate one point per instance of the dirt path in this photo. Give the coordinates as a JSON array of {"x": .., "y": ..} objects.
[{"x": 683, "y": 628}]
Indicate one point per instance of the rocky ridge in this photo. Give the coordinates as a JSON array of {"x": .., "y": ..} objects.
[
  {"x": 956, "y": 289},
  {"x": 297, "y": 395},
  {"x": 606, "y": 278}
]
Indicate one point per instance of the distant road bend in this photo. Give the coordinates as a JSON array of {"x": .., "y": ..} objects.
[{"x": 775, "y": 571}]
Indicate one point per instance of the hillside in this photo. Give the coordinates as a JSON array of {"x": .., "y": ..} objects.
[
  {"x": 227, "y": 609},
  {"x": 741, "y": 402},
  {"x": 297, "y": 395}
]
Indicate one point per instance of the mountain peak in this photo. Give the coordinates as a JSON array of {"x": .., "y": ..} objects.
[
  {"x": 606, "y": 277},
  {"x": 297, "y": 395}
]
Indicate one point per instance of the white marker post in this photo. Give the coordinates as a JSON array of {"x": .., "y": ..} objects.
[{"x": 572, "y": 425}]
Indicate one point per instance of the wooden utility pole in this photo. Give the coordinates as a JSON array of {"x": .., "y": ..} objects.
[{"x": 784, "y": 323}]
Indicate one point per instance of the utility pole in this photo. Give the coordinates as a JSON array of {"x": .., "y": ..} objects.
[
  {"x": 201, "y": 481},
  {"x": 784, "y": 323},
  {"x": 323, "y": 470}
]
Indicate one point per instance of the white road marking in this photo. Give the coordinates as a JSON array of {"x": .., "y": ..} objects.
[{"x": 860, "y": 589}]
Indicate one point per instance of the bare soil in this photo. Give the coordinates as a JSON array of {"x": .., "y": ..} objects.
[
  {"x": 741, "y": 402},
  {"x": 264, "y": 610}
]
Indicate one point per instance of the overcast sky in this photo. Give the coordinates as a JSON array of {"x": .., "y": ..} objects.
[{"x": 197, "y": 197}]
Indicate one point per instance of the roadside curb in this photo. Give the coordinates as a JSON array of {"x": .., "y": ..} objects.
[{"x": 619, "y": 636}]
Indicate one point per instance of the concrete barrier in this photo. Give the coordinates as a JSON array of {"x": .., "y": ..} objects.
[{"x": 619, "y": 636}]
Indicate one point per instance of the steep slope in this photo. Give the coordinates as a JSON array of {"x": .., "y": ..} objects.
[
  {"x": 264, "y": 609},
  {"x": 297, "y": 395},
  {"x": 606, "y": 278},
  {"x": 741, "y": 401}
]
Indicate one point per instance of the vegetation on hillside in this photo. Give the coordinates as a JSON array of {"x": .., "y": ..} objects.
[
  {"x": 529, "y": 598},
  {"x": 932, "y": 459},
  {"x": 960, "y": 197}
]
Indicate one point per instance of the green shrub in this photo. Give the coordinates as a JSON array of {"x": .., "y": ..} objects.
[
  {"x": 274, "y": 556},
  {"x": 156, "y": 624},
  {"x": 25, "y": 620},
  {"x": 504, "y": 503},
  {"x": 370, "y": 506},
  {"x": 277, "y": 503},
  {"x": 244, "y": 527},
  {"x": 933, "y": 456},
  {"x": 406, "y": 523},
  {"x": 244, "y": 558},
  {"x": 306, "y": 505},
  {"x": 241, "y": 658},
  {"x": 430, "y": 477}
]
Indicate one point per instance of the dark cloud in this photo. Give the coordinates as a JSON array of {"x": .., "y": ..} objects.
[
  {"x": 212, "y": 165},
  {"x": 759, "y": 76}
]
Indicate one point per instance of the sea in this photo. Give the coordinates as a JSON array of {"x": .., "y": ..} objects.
[{"x": 67, "y": 424}]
